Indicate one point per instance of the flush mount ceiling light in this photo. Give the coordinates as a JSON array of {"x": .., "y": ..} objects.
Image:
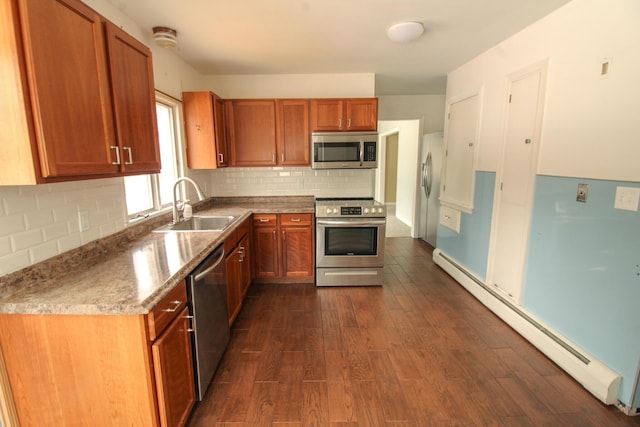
[
  {"x": 405, "y": 32},
  {"x": 165, "y": 37}
]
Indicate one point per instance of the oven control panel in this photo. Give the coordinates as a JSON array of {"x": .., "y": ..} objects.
[{"x": 351, "y": 211}]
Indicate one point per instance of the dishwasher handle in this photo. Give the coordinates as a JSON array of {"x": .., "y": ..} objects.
[{"x": 202, "y": 274}]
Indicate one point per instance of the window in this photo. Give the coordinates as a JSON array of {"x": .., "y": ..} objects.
[{"x": 149, "y": 193}]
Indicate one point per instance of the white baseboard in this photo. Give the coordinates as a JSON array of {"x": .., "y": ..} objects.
[{"x": 594, "y": 376}]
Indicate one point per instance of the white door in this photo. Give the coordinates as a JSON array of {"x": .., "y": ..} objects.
[{"x": 516, "y": 179}]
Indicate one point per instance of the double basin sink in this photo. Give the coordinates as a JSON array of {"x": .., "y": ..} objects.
[{"x": 200, "y": 223}]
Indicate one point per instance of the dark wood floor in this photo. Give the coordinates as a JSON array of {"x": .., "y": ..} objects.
[{"x": 419, "y": 351}]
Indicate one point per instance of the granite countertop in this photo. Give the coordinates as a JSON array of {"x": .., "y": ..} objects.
[{"x": 130, "y": 272}]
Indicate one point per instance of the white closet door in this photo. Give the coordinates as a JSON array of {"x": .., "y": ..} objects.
[{"x": 517, "y": 179}]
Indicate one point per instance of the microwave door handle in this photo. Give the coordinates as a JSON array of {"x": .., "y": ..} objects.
[{"x": 361, "y": 152}]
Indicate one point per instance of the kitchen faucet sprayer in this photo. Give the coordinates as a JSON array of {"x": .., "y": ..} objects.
[{"x": 176, "y": 207}]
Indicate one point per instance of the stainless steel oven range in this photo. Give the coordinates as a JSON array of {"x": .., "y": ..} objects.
[{"x": 350, "y": 242}]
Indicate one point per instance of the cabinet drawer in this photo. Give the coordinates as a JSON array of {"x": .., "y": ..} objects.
[
  {"x": 296, "y": 219},
  {"x": 164, "y": 312},
  {"x": 265, "y": 220}
]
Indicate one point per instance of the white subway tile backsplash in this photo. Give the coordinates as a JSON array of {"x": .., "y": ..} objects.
[
  {"x": 11, "y": 225},
  {"x": 55, "y": 231},
  {"x": 71, "y": 241},
  {"x": 5, "y": 246},
  {"x": 15, "y": 261},
  {"x": 26, "y": 239},
  {"x": 41, "y": 252},
  {"x": 39, "y": 219}
]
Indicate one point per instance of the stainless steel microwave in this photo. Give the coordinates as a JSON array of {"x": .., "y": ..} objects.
[{"x": 344, "y": 150}]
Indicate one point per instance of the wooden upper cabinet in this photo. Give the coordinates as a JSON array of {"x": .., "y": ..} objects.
[
  {"x": 293, "y": 132},
  {"x": 134, "y": 102},
  {"x": 205, "y": 127},
  {"x": 252, "y": 131},
  {"x": 352, "y": 114},
  {"x": 58, "y": 110}
]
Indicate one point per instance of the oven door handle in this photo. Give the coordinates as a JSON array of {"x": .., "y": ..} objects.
[{"x": 352, "y": 223}]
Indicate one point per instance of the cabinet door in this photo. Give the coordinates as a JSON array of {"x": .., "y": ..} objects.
[
  {"x": 220, "y": 126},
  {"x": 265, "y": 248},
  {"x": 252, "y": 132},
  {"x": 297, "y": 251},
  {"x": 68, "y": 82},
  {"x": 205, "y": 128},
  {"x": 294, "y": 132},
  {"x": 362, "y": 114},
  {"x": 327, "y": 115},
  {"x": 134, "y": 102},
  {"x": 234, "y": 275},
  {"x": 245, "y": 265},
  {"x": 173, "y": 367}
]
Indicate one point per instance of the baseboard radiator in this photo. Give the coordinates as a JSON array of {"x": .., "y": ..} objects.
[{"x": 594, "y": 376}]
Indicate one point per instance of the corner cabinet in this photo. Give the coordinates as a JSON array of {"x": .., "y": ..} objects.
[
  {"x": 206, "y": 130},
  {"x": 283, "y": 248},
  {"x": 351, "y": 114},
  {"x": 102, "y": 370},
  {"x": 92, "y": 117}
]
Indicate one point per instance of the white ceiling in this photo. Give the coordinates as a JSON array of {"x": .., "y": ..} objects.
[{"x": 337, "y": 36}]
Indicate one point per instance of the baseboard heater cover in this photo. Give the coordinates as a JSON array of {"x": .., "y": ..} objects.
[{"x": 592, "y": 374}]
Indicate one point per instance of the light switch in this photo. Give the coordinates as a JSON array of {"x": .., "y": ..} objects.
[{"x": 627, "y": 198}]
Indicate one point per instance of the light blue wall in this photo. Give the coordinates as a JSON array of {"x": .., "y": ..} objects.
[
  {"x": 471, "y": 247},
  {"x": 583, "y": 271}
]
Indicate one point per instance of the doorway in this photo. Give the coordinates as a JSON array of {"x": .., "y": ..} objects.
[{"x": 402, "y": 199}]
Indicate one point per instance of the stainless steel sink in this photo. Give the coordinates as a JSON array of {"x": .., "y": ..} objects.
[{"x": 200, "y": 223}]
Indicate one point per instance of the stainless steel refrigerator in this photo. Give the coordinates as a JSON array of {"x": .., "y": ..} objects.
[{"x": 431, "y": 152}]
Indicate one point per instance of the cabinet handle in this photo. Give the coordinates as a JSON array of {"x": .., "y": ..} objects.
[
  {"x": 242, "y": 253},
  {"x": 282, "y": 156},
  {"x": 273, "y": 158},
  {"x": 174, "y": 308},
  {"x": 340, "y": 123},
  {"x": 128, "y": 150},
  {"x": 198, "y": 128},
  {"x": 275, "y": 235},
  {"x": 349, "y": 123},
  {"x": 264, "y": 220},
  {"x": 190, "y": 319},
  {"x": 284, "y": 235},
  {"x": 220, "y": 158},
  {"x": 115, "y": 147},
  {"x": 295, "y": 220}
]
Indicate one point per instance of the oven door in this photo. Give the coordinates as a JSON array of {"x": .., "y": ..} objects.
[{"x": 350, "y": 242}]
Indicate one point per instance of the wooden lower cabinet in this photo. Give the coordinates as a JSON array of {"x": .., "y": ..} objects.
[
  {"x": 283, "y": 248},
  {"x": 100, "y": 370},
  {"x": 238, "y": 266},
  {"x": 172, "y": 363}
]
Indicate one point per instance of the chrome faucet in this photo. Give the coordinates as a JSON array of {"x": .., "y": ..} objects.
[{"x": 178, "y": 206}]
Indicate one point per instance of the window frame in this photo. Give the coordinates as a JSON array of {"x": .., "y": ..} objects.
[{"x": 153, "y": 180}]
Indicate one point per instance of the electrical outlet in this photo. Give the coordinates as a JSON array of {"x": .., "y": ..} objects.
[
  {"x": 83, "y": 220},
  {"x": 583, "y": 190}
]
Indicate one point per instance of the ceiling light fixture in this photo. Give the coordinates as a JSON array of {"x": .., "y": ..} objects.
[
  {"x": 405, "y": 32},
  {"x": 165, "y": 37}
]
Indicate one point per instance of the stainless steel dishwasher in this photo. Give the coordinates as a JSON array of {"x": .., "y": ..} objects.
[{"x": 207, "y": 291}]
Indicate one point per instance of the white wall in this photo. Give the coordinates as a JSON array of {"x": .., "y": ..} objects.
[
  {"x": 293, "y": 86},
  {"x": 404, "y": 107},
  {"x": 590, "y": 128}
]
